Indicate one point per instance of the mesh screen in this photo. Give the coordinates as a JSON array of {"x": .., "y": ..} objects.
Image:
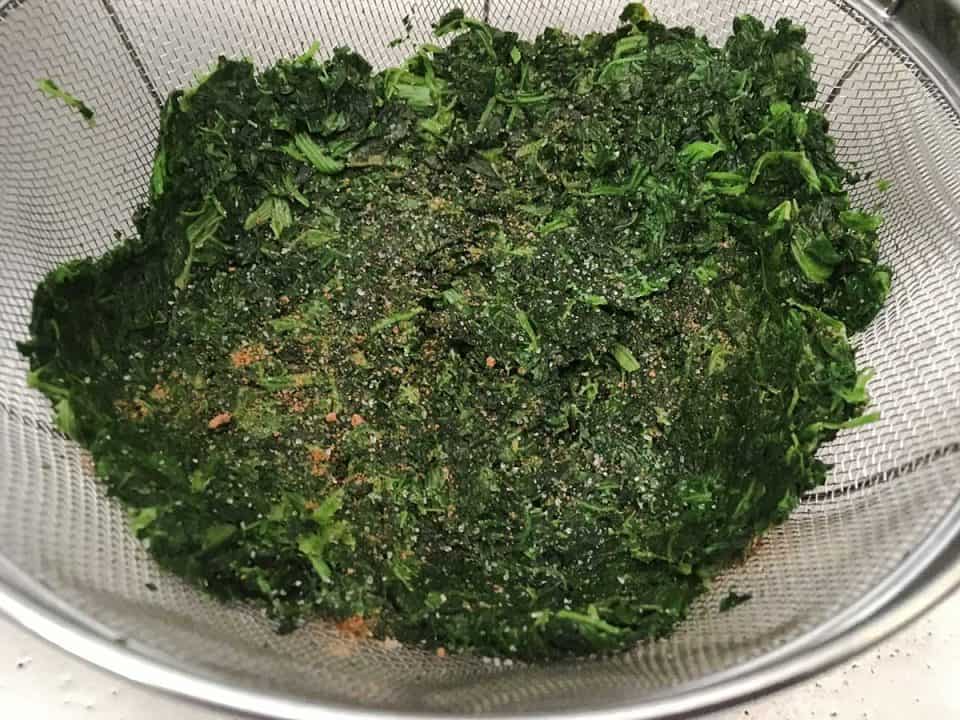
[{"x": 65, "y": 189}]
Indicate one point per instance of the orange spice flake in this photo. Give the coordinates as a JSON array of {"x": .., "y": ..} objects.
[
  {"x": 219, "y": 420},
  {"x": 247, "y": 355},
  {"x": 355, "y": 627},
  {"x": 318, "y": 460},
  {"x": 293, "y": 401}
]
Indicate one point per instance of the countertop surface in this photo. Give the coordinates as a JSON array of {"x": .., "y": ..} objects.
[{"x": 912, "y": 675}]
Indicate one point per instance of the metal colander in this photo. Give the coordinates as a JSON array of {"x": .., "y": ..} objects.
[{"x": 861, "y": 555}]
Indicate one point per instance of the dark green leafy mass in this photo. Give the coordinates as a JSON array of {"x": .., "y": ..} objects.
[{"x": 508, "y": 350}]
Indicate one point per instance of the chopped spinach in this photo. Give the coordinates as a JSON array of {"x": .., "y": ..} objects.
[
  {"x": 733, "y": 599},
  {"x": 51, "y": 89},
  {"x": 508, "y": 350}
]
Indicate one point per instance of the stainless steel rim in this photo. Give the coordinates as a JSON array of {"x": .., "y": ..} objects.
[{"x": 932, "y": 573}]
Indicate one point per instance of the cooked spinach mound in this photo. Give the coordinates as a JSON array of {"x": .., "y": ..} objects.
[{"x": 509, "y": 349}]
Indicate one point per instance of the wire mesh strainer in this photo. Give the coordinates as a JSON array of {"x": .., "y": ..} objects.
[{"x": 861, "y": 555}]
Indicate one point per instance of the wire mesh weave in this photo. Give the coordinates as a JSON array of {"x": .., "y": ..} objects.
[{"x": 65, "y": 189}]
